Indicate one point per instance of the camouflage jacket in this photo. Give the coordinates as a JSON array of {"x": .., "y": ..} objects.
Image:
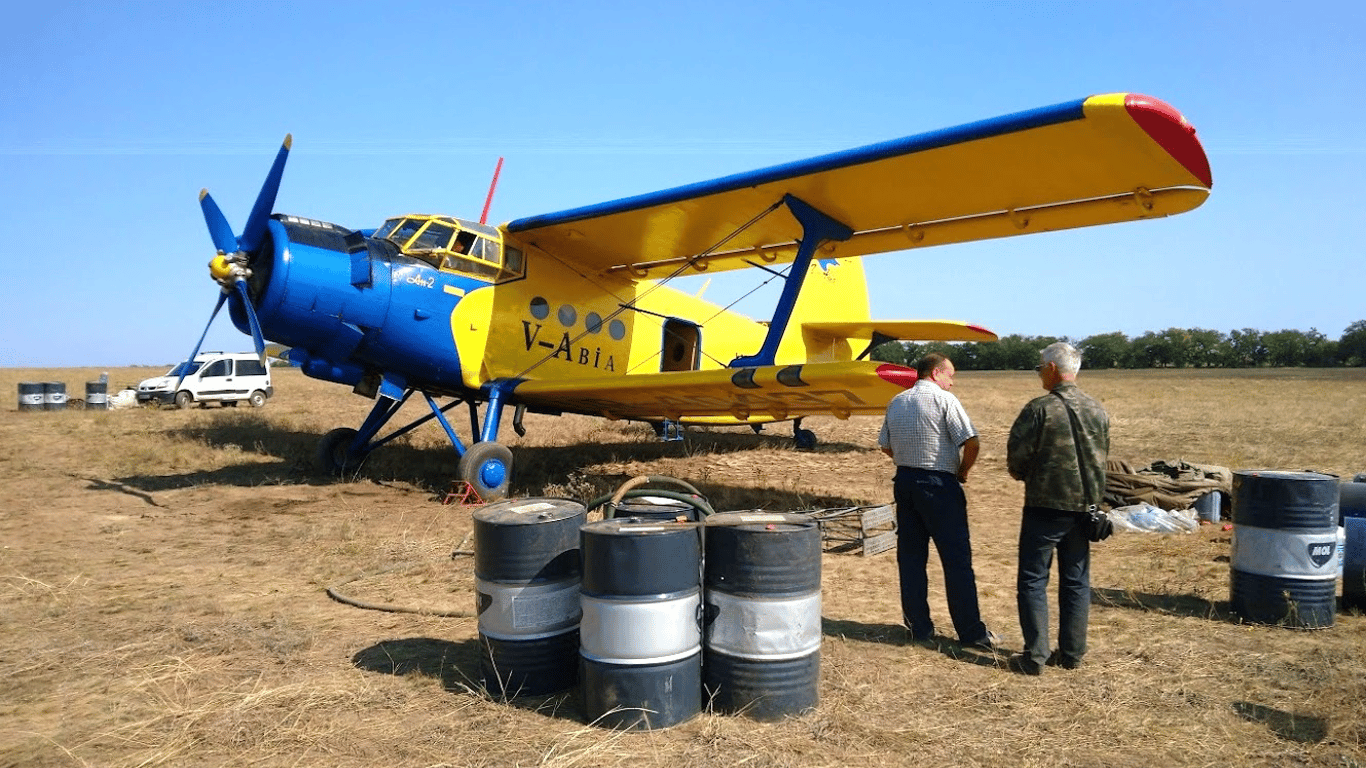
[{"x": 1041, "y": 451}]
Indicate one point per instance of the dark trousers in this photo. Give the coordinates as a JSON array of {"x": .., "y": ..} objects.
[
  {"x": 931, "y": 506},
  {"x": 1043, "y": 531}
]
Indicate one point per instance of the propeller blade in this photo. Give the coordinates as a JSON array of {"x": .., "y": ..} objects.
[
  {"x": 222, "y": 297},
  {"x": 219, "y": 229},
  {"x": 265, "y": 201},
  {"x": 251, "y": 319}
]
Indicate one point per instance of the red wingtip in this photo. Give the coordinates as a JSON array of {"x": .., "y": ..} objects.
[
  {"x": 1172, "y": 132},
  {"x": 899, "y": 375}
]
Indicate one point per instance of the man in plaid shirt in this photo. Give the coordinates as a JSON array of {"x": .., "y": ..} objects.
[{"x": 932, "y": 440}]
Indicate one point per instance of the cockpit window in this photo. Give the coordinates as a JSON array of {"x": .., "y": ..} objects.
[
  {"x": 433, "y": 237},
  {"x": 405, "y": 231}
]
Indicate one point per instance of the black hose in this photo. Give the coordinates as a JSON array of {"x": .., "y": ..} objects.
[
  {"x": 695, "y": 501},
  {"x": 335, "y": 593}
]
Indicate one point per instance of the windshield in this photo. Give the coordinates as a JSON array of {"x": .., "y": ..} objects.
[{"x": 185, "y": 369}]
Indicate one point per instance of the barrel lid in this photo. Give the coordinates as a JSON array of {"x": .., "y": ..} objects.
[
  {"x": 531, "y": 511},
  {"x": 759, "y": 520},
  {"x": 1281, "y": 474},
  {"x": 632, "y": 526}
]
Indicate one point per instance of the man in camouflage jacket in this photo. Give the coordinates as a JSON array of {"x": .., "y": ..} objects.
[{"x": 1041, "y": 452}]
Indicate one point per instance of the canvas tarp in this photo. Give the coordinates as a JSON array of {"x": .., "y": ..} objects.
[{"x": 1164, "y": 484}]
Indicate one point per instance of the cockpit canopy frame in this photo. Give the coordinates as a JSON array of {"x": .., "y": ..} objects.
[{"x": 455, "y": 245}]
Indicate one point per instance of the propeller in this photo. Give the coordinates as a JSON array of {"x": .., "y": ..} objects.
[{"x": 230, "y": 267}]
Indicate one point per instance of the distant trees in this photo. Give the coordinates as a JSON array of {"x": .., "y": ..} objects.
[{"x": 1172, "y": 348}]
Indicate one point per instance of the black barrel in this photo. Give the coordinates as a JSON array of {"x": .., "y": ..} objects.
[
  {"x": 641, "y": 635},
  {"x": 30, "y": 396},
  {"x": 1284, "y": 551},
  {"x": 762, "y": 637},
  {"x": 1352, "y": 504},
  {"x": 54, "y": 395},
  {"x": 527, "y": 571},
  {"x": 96, "y": 395},
  {"x": 655, "y": 508}
]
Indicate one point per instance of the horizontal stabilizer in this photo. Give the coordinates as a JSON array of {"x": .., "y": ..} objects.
[{"x": 905, "y": 330}]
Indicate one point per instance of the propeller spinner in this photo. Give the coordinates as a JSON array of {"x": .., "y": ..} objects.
[{"x": 230, "y": 267}]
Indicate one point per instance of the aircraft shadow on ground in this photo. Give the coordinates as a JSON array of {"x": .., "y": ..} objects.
[
  {"x": 895, "y": 634},
  {"x": 1305, "y": 729},
  {"x": 1177, "y": 605},
  {"x": 457, "y": 666},
  {"x": 289, "y": 459}
]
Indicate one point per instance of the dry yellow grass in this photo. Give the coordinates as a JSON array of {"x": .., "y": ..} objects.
[{"x": 162, "y": 595}]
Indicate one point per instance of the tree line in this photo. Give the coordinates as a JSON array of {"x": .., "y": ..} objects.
[{"x": 1172, "y": 348}]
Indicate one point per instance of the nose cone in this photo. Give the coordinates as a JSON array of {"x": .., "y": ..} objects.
[{"x": 219, "y": 269}]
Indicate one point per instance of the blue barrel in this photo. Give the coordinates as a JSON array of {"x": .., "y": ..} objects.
[
  {"x": 762, "y": 636},
  {"x": 30, "y": 396},
  {"x": 1284, "y": 551},
  {"x": 527, "y": 571},
  {"x": 54, "y": 396},
  {"x": 96, "y": 396},
  {"x": 641, "y": 635},
  {"x": 1352, "y": 504}
]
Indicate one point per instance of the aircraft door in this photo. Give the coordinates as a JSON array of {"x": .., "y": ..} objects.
[{"x": 681, "y": 346}]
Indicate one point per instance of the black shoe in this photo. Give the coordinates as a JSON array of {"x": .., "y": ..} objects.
[
  {"x": 925, "y": 641},
  {"x": 1024, "y": 665},
  {"x": 1056, "y": 659}
]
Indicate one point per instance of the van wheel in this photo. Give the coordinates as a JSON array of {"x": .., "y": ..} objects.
[
  {"x": 257, "y": 399},
  {"x": 183, "y": 399}
]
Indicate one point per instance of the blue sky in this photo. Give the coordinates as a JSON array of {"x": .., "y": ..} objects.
[{"x": 115, "y": 114}]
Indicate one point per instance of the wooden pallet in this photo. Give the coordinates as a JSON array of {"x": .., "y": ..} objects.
[{"x": 866, "y": 530}]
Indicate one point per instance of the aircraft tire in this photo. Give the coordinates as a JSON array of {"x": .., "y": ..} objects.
[
  {"x": 487, "y": 467},
  {"x": 805, "y": 439},
  {"x": 183, "y": 399},
  {"x": 333, "y": 455}
]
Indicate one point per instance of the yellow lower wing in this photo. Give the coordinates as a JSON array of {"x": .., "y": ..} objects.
[{"x": 728, "y": 395}]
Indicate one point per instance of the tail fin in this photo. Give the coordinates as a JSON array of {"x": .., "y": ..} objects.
[
  {"x": 831, "y": 323},
  {"x": 835, "y": 291}
]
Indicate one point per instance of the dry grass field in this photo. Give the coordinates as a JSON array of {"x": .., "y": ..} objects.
[{"x": 163, "y": 577}]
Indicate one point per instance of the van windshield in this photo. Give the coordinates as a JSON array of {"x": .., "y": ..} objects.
[{"x": 185, "y": 369}]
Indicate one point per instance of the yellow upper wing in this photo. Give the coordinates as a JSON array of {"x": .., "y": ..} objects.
[
  {"x": 740, "y": 395},
  {"x": 1103, "y": 159}
]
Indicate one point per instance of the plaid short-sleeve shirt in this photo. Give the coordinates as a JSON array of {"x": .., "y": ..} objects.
[{"x": 924, "y": 427}]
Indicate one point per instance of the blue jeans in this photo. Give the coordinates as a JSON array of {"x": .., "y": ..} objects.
[
  {"x": 1042, "y": 531},
  {"x": 931, "y": 506}
]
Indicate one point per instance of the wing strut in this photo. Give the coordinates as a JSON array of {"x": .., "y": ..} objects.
[{"x": 817, "y": 228}]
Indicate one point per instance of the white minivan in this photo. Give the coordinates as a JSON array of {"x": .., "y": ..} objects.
[{"x": 212, "y": 377}]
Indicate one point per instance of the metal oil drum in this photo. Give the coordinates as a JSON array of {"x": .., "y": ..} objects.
[
  {"x": 762, "y": 636},
  {"x": 1284, "y": 551},
  {"x": 527, "y": 571}
]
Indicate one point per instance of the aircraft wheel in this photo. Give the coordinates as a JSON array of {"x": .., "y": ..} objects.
[
  {"x": 183, "y": 399},
  {"x": 487, "y": 467},
  {"x": 257, "y": 399},
  {"x": 805, "y": 439},
  {"x": 334, "y": 452}
]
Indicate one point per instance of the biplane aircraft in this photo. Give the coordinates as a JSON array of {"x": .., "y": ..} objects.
[{"x": 572, "y": 312}]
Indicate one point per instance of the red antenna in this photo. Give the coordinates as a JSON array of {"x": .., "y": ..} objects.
[{"x": 484, "y": 217}]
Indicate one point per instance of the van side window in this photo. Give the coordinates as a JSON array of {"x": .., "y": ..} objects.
[
  {"x": 251, "y": 367},
  {"x": 218, "y": 368}
]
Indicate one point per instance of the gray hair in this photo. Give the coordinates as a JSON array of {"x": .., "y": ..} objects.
[{"x": 1064, "y": 356}]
